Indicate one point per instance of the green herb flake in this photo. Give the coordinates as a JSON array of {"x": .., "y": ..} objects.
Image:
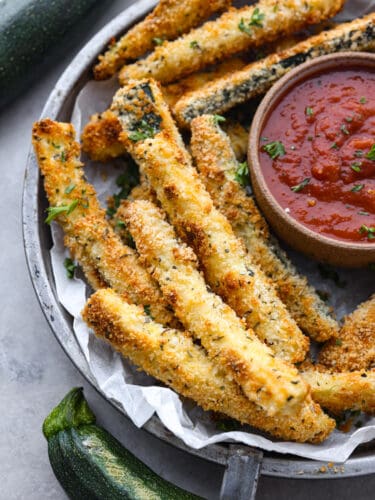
[
  {"x": 334, "y": 146},
  {"x": 256, "y": 20},
  {"x": 369, "y": 231},
  {"x": 63, "y": 156},
  {"x": 69, "y": 189},
  {"x": 126, "y": 181},
  {"x": 264, "y": 139},
  {"x": 245, "y": 29},
  {"x": 357, "y": 187},
  {"x": 70, "y": 267},
  {"x": 358, "y": 153},
  {"x": 242, "y": 174},
  {"x": 144, "y": 130},
  {"x": 344, "y": 130},
  {"x": 309, "y": 111},
  {"x": 274, "y": 149},
  {"x": 356, "y": 166},
  {"x": 120, "y": 224},
  {"x": 158, "y": 41},
  {"x": 53, "y": 212},
  {"x": 327, "y": 272},
  {"x": 338, "y": 342},
  {"x": 228, "y": 425},
  {"x": 371, "y": 154},
  {"x": 218, "y": 119},
  {"x": 147, "y": 310},
  {"x": 297, "y": 188},
  {"x": 195, "y": 45},
  {"x": 363, "y": 100}
]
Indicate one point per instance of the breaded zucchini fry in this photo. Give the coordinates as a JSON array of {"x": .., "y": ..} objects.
[
  {"x": 256, "y": 78},
  {"x": 355, "y": 347},
  {"x": 173, "y": 358},
  {"x": 88, "y": 234},
  {"x": 153, "y": 140},
  {"x": 167, "y": 21},
  {"x": 265, "y": 379},
  {"x": 100, "y": 137},
  {"x": 236, "y": 30},
  {"x": 338, "y": 392},
  {"x": 216, "y": 161}
]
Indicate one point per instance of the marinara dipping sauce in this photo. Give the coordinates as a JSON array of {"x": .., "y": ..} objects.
[{"x": 317, "y": 151}]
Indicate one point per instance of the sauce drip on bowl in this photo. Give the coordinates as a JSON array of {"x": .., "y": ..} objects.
[{"x": 317, "y": 151}]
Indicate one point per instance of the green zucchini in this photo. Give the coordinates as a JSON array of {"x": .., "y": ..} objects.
[
  {"x": 91, "y": 464},
  {"x": 28, "y": 28}
]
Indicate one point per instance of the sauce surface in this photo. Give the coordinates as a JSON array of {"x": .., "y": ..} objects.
[{"x": 317, "y": 152}]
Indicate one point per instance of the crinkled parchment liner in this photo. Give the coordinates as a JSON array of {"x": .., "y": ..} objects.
[{"x": 135, "y": 391}]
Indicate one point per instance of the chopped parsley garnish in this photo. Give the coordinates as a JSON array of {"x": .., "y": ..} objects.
[
  {"x": 70, "y": 267},
  {"x": 146, "y": 128},
  {"x": 334, "y": 146},
  {"x": 363, "y": 100},
  {"x": 218, "y": 119},
  {"x": 256, "y": 20},
  {"x": 358, "y": 153},
  {"x": 356, "y": 166},
  {"x": 194, "y": 45},
  {"x": 298, "y": 187},
  {"x": 158, "y": 41},
  {"x": 344, "y": 130},
  {"x": 274, "y": 149},
  {"x": 120, "y": 224},
  {"x": 370, "y": 231},
  {"x": 357, "y": 187},
  {"x": 309, "y": 111},
  {"x": 69, "y": 189},
  {"x": 327, "y": 272},
  {"x": 63, "y": 156},
  {"x": 242, "y": 174},
  {"x": 53, "y": 212},
  {"x": 147, "y": 310},
  {"x": 371, "y": 154},
  {"x": 338, "y": 342}
]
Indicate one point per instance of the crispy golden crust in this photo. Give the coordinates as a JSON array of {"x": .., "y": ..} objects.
[
  {"x": 229, "y": 34},
  {"x": 355, "y": 347},
  {"x": 338, "y": 392},
  {"x": 100, "y": 137},
  {"x": 266, "y": 380},
  {"x": 88, "y": 235},
  {"x": 256, "y": 78},
  {"x": 228, "y": 270},
  {"x": 167, "y": 21},
  {"x": 216, "y": 161},
  {"x": 172, "y": 357}
]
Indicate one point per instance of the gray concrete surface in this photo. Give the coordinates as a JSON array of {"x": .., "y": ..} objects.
[{"x": 34, "y": 371}]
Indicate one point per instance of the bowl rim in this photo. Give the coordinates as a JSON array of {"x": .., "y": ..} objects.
[{"x": 277, "y": 92}]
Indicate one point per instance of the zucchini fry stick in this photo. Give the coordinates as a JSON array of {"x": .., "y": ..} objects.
[
  {"x": 167, "y": 21},
  {"x": 153, "y": 140},
  {"x": 100, "y": 137},
  {"x": 355, "y": 347},
  {"x": 88, "y": 235},
  {"x": 217, "y": 164},
  {"x": 256, "y": 78},
  {"x": 265, "y": 379},
  {"x": 338, "y": 392},
  {"x": 233, "y": 32},
  {"x": 173, "y": 358}
]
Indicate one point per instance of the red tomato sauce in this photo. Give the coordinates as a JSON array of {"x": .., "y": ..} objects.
[{"x": 323, "y": 173}]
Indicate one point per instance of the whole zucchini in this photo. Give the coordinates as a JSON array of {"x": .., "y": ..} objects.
[
  {"x": 28, "y": 28},
  {"x": 91, "y": 464}
]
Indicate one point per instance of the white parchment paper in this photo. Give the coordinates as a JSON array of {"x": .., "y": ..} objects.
[{"x": 137, "y": 393}]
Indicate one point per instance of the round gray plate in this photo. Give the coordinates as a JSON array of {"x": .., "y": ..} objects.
[{"x": 37, "y": 240}]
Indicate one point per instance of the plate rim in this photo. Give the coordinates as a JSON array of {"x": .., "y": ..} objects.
[{"x": 71, "y": 80}]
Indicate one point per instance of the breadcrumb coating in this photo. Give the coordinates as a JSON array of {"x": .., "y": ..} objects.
[
  {"x": 173, "y": 358},
  {"x": 234, "y": 31},
  {"x": 354, "y": 349},
  {"x": 228, "y": 270},
  {"x": 217, "y": 164},
  {"x": 88, "y": 235},
  {"x": 265, "y": 379},
  {"x": 168, "y": 20}
]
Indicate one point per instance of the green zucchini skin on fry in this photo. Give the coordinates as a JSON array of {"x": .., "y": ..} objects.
[
  {"x": 91, "y": 464},
  {"x": 224, "y": 93}
]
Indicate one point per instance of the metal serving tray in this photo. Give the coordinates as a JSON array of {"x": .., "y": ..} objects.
[{"x": 243, "y": 464}]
